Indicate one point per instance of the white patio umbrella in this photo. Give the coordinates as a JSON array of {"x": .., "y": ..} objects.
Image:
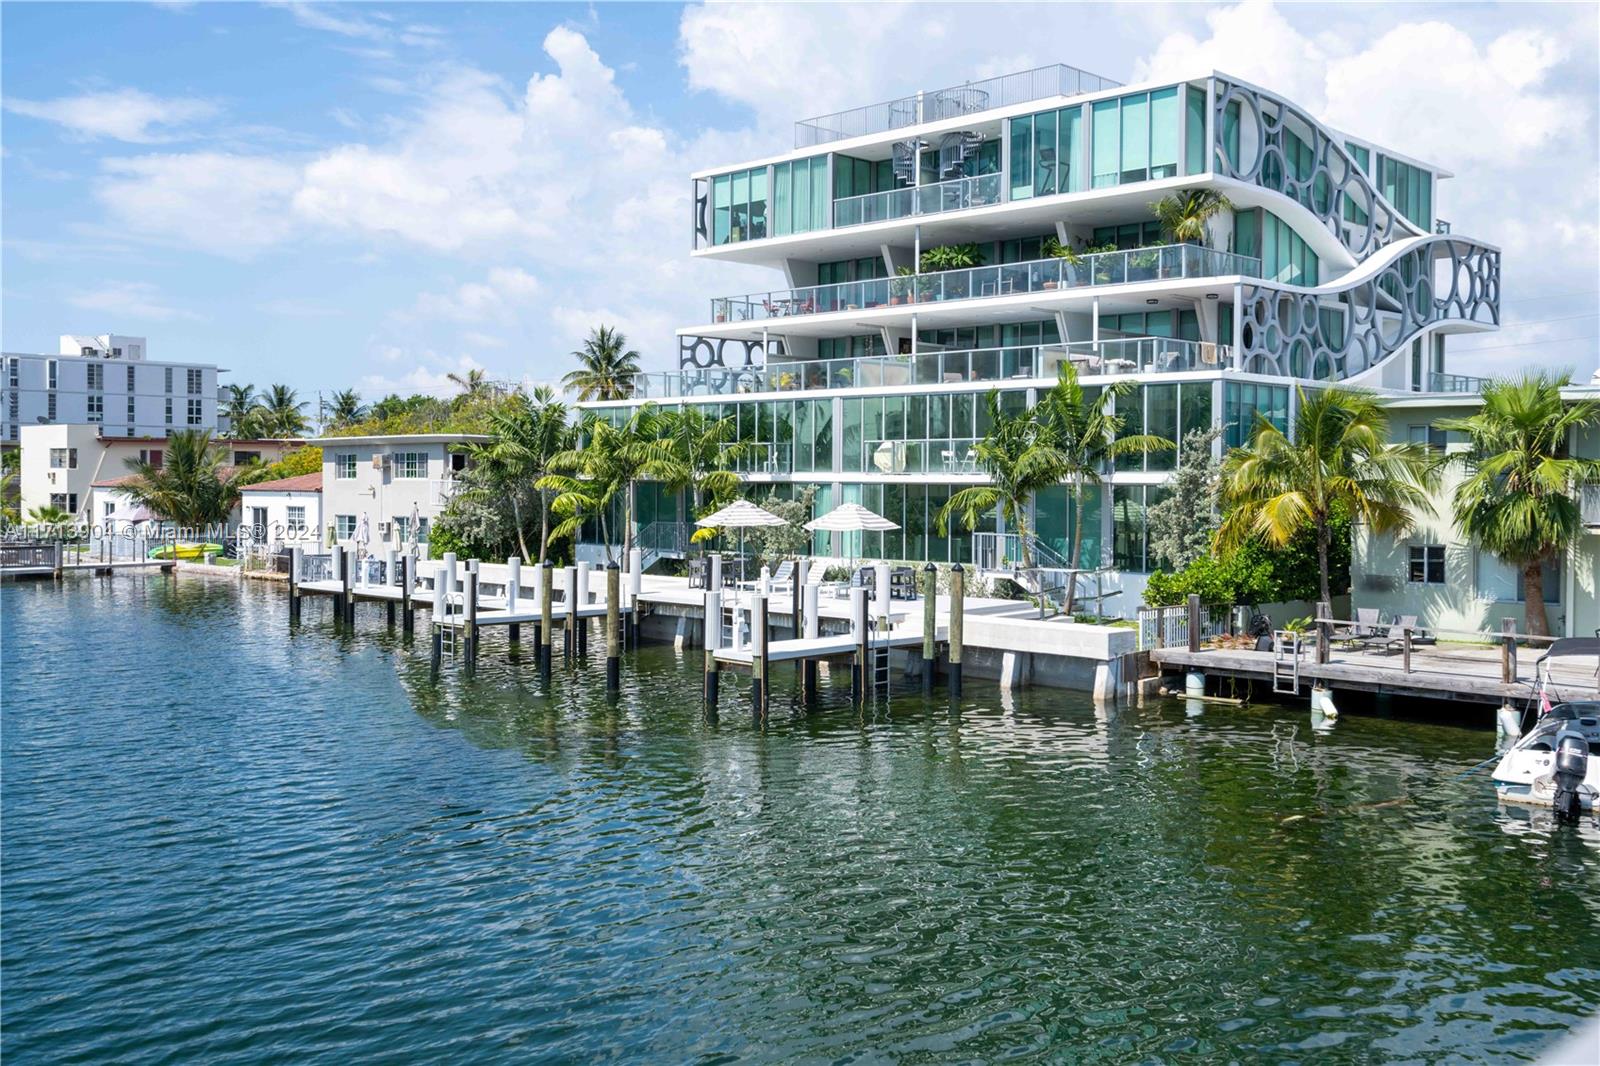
[
  {"x": 741, "y": 515},
  {"x": 415, "y": 529},
  {"x": 851, "y": 518},
  {"x": 363, "y": 537}
]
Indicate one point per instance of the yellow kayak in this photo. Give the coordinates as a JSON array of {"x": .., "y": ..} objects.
[{"x": 184, "y": 551}]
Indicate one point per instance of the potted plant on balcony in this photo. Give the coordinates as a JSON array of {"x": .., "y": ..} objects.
[
  {"x": 948, "y": 257},
  {"x": 900, "y": 286},
  {"x": 1067, "y": 273}
]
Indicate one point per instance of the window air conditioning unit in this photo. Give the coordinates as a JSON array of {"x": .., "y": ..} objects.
[
  {"x": 378, "y": 462},
  {"x": 384, "y": 528}
]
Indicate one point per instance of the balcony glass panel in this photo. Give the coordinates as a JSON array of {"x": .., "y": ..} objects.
[
  {"x": 955, "y": 195},
  {"x": 1044, "y": 275}
]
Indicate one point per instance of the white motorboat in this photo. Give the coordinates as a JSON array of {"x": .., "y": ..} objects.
[{"x": 1557, "y": 762}]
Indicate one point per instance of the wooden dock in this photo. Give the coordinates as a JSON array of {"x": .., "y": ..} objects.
[
  {"x": 53, "y": 560},
  {"x": 1495, "y": 668}
]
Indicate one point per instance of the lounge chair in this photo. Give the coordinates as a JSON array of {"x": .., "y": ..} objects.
[
  {"x": 1366, "y": 627},
  {"x": 1395, "y": 638}
]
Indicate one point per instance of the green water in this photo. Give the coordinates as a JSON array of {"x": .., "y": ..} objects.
[{"x": 221, "y": 841}]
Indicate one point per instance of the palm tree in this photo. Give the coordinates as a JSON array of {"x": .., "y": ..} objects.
[
  {"x": 1339, "y": 461},
  {"x": 281, "y": 413},
  {"x": 613, "y": 460},
  {"x": 705, "y": 453},
  {"x": 527, "y": 433},
  {"x": 1069, "y": 436},
  {"x": 242, "y": 410},
  {"x": 190, "y": 487},
  {"x": 608, "y": 367},
  {"x": 345, "y": 408},
  {"x": 1517, "y": 499},
  {"x": 472, "y": 384},
  {"x": 48, "y": 515},
  {"x": 1185, "y": 215}
]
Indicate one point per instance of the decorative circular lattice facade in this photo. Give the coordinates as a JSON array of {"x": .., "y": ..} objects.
[
  {"x": 1333, "y": 183},
  {"x": 1289, "y": 332}
]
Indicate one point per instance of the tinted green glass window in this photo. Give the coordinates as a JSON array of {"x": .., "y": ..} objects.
[
  {"x": 1164, "y": 125},
  {"x": 1069, "y": 157},
  {"x": 1194, "y": 148},
  {"x": 1106, "y": 165},
  {"x": 1161, "y": 420},
  {"x": 1021, "y": 157},
  {"x": 1230, "y": 132},
  {"x": 1135, "y": 137},
  {"x": 1044, "y": 154}
]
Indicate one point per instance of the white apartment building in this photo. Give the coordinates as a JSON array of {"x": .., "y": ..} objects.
[
  {"x": 62, "y": 463},
  {"x": 282, "y": 513},
  {"x": 105, "y": 381},
  {"x": 387, "y": 480}
]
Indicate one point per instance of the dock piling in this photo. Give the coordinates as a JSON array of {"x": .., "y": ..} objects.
[
  {"x": 812, "y": 629},
  {"x": 859, "y": 629},
  {"x": 713, "y": 643},
  {"x": 1194, "y": 622},
  {"x": 930, "y": 603},
  {"x": 336, "y": 563},
  {"x": 759, "y": 642},
  {"x": 546, "y": 591},
  {"x": 1324, "y": 632},
  {"x": 958, "y": 609},
  {"x": 635, "y": 587},
  {"x": 613, "y": 651},
  {"x": 440, "y": 603},
  {"x": 408, "y": 622},
  {"x": 1508, "y": 651},
  {"x": 513, "y": 590},
  {"x": 295, "y": 556},
  {"x": 585, "y": 597},
  {"x": 569, "y": 593},
  {"x": 714, "y": 580},
  {"x": 471, "y": 616}
]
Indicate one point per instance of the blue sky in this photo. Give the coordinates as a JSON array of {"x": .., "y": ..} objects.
[{"x": 375, "y": 195}]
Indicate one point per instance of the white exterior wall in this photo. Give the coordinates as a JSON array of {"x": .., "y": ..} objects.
[
  {"x": 276, "y": 530},
  {"x": 1479, "y": 590},
  {"x": 377, "y": 491},
  {"x": 99, "y": 459},
  {"x": 26, "y": 394}
]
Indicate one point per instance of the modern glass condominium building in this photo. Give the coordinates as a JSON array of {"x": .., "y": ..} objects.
[{"x": 862, "y": 371}]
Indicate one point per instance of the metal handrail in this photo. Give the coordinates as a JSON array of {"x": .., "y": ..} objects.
[{"x": 1127, "y": 267}]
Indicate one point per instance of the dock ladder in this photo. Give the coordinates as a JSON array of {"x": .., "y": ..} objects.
[{"x": 1286, "y": 662}]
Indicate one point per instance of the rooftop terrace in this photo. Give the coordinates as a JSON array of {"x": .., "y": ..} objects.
[{"x": 968, "y": 98}]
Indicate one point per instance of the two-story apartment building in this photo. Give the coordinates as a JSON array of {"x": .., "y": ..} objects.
[
  {"x": 953, "y": 241},
  {"x": 106, "y": 381},
  {"x": 60, "y": 463},
  {"x": 398, "y": 484}
]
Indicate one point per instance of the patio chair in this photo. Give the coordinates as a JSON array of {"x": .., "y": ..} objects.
[
  {"x": 1395, "y": 638},
  {"x": 1365, "y": 627},
  {"x": 697, "y": 573}
]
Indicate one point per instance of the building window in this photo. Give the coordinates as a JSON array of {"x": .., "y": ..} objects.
[
  {"x": 739, "y": 204},
  {"x": 196, "y": 380},
  {"x": 50, "y": 374},
  {"x": 96, "y": 407},
  {"x": 1426, "y": 564},
  {"x": 344, "y": 526},
  {"x": 94, "y": 376},
  {"x": 109, "y": 508},
  {"x": 50, "y": 406},
  {"x": 1433, "y": 438},
  {"x": 295, "y": 519},
  {"x": 196, "y": 413},
  {"x": 152, "y": 456},
  {"x": 63, "y": 458},
  {"x": 64, "y": 501},
  {"x": 344, "y": 466},
  {"x": 130, "y": 379},
  {"x": 411, "y": 464},
  {"x": 169, "y": 410},
  {"x": 244, "y": 458},
  {"x": 15, "y": 365},
  {"x": 169, "y": 379}
]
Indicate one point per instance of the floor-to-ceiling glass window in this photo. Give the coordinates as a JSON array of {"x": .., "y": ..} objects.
[
  {"x": 1054, "y": 518},
  {"x": 739, "y": 206},
  {"x": 1194, "y": 148},
  {"x": 1243, "y": 400}
]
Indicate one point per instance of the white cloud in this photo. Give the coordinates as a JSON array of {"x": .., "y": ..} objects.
[
  {"x": 432, "y": 379},
  {"x": 503, "y": 293},
  {"x": 227, "y": 205},
  {"x": 129, "y": 299},
  {"x": 122, "y": 114}
]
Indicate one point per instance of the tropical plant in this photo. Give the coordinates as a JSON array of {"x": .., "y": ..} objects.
[
  {"x": 607, "y": 367},
  {"x": 1257, "y": 573},
  {"x": 190, "y": 487},
  {"x": 1185, "y": 215},
  {"x": 1054, "y": 249},
  {"x": 10, "y": 460},
  {"x": 526, "y": 433},
  {"x": 241, "y": 410},
  {"x": 1340, "y": 461},
  {"x": 951, "y": 257},
  {"x": 48, "y": 515},
  {"x": 472, "y": 384},
  {"x": 1069, "y": 436},
  {"x": 345, "y": 408},
  {"x": 705, "y": 453},
  {"x": 1517, "y": 499},
  {"x": 770, "y": 545},
  {"x": 306, "y": 460},
  {"x": 1182, "y": 522},
  {"x": 281, "y": 413},
  {"x": 612, "y": 460}
]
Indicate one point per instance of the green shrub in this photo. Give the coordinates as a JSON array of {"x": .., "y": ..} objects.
[{"x": 1257, "y": 574}]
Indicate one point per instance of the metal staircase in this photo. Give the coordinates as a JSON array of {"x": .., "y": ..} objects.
[
  {"x": 663, "y": 540},
  {"x": 954, "y": 151}
]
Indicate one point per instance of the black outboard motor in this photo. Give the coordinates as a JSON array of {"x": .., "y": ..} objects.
[{"x": 1572, "y": 766}]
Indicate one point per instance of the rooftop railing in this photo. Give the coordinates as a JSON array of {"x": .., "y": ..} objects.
[
  {"x": 913, "y": 201},
  {"x": 1166, "y": 262},
  {"x": 1041, "y": 83},
  {"x": 1439, "y": 382},
  {"x": 1112, "y": 356}
]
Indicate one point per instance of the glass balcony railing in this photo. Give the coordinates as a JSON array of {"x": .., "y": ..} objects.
[
  {"x": 1166, "y": 262},
  {"x": 1127, "y": 355},
  {"x": 955, "y": 195},
  {"x": 1041, "y": 83},
  {"x": 952, "y": 455},
  {"x": 1439, "y": 382}
]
